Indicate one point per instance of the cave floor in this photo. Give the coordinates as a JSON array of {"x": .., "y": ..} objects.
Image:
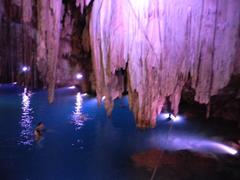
[{"x": 80, "y": 142}]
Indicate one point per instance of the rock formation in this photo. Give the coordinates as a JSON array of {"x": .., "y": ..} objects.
[
  {"x": 163, "y": 44},
  {"x": 152, "y": 47},
  {"x": 49, "y": 25}
]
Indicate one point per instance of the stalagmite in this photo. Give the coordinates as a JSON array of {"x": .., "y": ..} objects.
[{"x": 162, "y": 44}]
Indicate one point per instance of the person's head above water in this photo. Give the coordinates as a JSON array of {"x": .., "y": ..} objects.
[{"x": 40, "y": 126}]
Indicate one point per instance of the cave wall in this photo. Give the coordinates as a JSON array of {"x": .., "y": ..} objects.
[
  {"x": 162, "y": 45},
  {"x": 48, "y": 36},
  {"x": 18, "y": 32}
]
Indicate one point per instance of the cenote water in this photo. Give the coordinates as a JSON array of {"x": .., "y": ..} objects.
[{"x": 80, "y": 141}]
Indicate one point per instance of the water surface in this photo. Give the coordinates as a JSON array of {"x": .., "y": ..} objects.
[{"x": 80, "y": 141}]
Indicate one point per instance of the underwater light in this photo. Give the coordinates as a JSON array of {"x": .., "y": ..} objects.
[
  {"x": 79, "y": 76},
  {"x": 72, "y": 87},
  {"x": 175, "y": 118},
  {"x": 103, "y": 98},
  {"x": 170, "y": 116}
]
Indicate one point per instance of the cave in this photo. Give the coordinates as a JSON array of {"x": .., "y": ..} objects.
[{"x": 119, "y": 89}]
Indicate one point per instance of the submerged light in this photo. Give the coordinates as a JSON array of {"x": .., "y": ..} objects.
[{"x": 165, "y": 116}]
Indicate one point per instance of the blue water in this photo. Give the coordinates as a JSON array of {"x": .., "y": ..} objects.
[{"x": 80, "y": 141}]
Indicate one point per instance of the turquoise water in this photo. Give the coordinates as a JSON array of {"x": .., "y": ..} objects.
[{"x": 80, "y": 141}]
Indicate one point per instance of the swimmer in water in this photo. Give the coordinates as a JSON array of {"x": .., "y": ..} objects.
[{"x": 38, "y": 132}]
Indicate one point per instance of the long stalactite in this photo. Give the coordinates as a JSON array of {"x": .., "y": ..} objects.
[
  {"x": 49, "y": 29},
  {"x": 162, "y": 44}
]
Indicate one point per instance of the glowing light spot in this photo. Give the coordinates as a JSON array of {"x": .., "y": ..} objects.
[
  {"x": 103, "y": 98},
  {"x": 14, "y": 83},
  {"x": 25, "y": 68},
  {"x": 79, "y": 76},
  {"x": 164, "y": 116},
  {"x": 225, "y": 148},
  {"x": 85, "y": 94},
  {"x": 176, "y": 118},
  {"x": 72, "y": 87}
]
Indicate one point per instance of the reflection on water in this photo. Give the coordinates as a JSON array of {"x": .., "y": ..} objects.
[
  {"x": 26, "y": 134},
  {"x": 78, "y": 117}
]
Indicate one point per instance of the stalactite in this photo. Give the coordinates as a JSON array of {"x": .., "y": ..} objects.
[
  {"x": 50, "y": 15},
  {"x": 165, "y": 43},
  {"x": 81, "y": 4}
]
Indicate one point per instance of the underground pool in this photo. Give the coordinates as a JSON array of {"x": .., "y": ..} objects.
[{"x": 81, "y": 142}]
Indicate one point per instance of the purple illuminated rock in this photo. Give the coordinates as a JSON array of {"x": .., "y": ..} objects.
[{"x": 161, "y": 45}]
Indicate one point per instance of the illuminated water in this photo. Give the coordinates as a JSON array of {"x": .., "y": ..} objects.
[{"x": 80, "y": 142}]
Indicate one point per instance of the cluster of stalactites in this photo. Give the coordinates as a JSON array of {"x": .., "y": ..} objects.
[
  {"x": 162, "y": 44},
  {"x": 54, "y": 30}
]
